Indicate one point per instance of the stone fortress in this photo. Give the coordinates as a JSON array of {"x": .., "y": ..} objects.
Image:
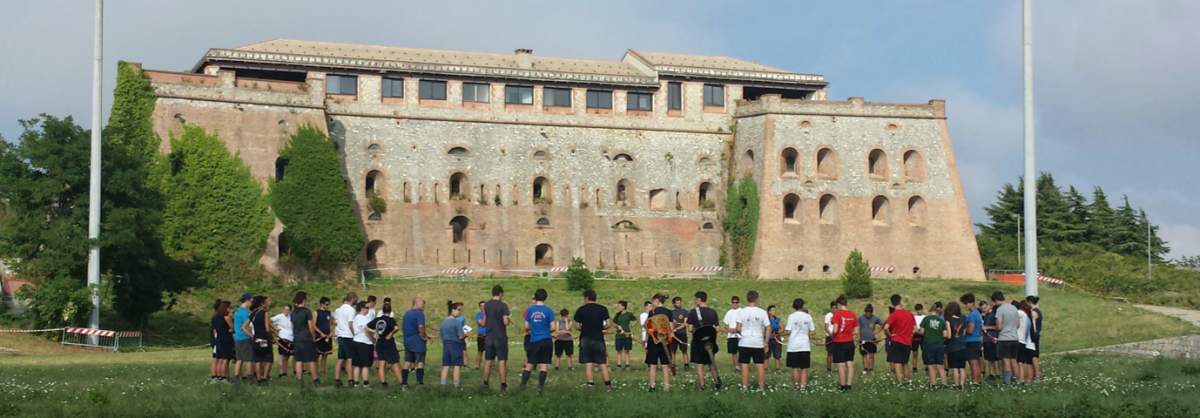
[{"x": 517, "y": 161}]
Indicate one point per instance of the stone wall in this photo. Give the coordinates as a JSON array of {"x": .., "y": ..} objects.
[{"x": 1178, "y": 347}]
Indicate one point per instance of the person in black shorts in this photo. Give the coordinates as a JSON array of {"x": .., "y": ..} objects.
[
  {"x": 679, "y": 322},
  {"x": 222, "y": 340},
  {"x": 496, "y": 316},
  {"x": 730, "y": 321},
  {"x": 323, "y": 338},
  {"x": 657, "y": 354},
  {"x": 481, "y": 336},
  {"x": 304, "y": 327},
  {"x": 829, "y": 348},
  {"x": 703, "y": 316},
  {"x": 775, "y": 344},
  {"x": 564, "y": 343},
  {"x": 991, "y": 353},
  {"x": 917, "y": 339},
  {"x": 591, "y": 320}
]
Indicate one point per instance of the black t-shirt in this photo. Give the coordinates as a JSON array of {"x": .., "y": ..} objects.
[
  {"x": 679, "y": 317},
  {"x": 258, "y": 322},
  {"x": 591, "y": 317},
  {"x": 384, "y": 326},
  {"x": 494, "y": 312},
  {"x": 323, "y": 321},
  {"x": 708, "y": 317},
  {"x": 219, "y": 325},
  {"x": 300, "y": 332}
]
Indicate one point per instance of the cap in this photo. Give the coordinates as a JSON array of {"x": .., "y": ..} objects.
[{"x": 246, "y": 297}]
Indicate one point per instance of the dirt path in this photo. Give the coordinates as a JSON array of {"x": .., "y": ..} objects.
[{"x": 1184, "y": 314}]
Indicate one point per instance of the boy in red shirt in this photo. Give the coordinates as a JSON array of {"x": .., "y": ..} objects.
[
  {"x": 900, "y": 326},
  {"x": 845, "y": 332}
]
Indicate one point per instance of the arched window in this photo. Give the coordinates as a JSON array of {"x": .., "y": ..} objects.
[
  {"x": 829, "y": 209},
  {"x": 458, "y": 189},
  {"x": 373, "y": 251},
  {"x": 748, "y": 163},
  {"x": 280, "y": 168},
  {"x": 705, "y": 201},
  {"x": 914, "y": 166},
  {"x": 458, "y": 152},
  {"x": 283, "y": 246},
  {"x": 658, "y": 199},
  {"x": 623, "y": 189},
  {"x": 374, "y": 216},
  {"x": 622, "y": 157},
  {"x": 374, "y": 148},
  {"x": 543, "y": 222},
  {"x": 827, "y": 166},
  {"x": 707, "y": 225},
  {"x": 625, "y": 225},
  {"x": 879, "y": 210},
  {"x": 791, "y": 205},
  {"x": 543, "y": 255},
  {"x": 541, "y": 190},
  {"x": 375, "y": 182},
  {"x": 540, "y": 154},
  {"x": 826, "y": 269},
  {"x": 705, "y": 160},
  {"x": 916, "y": 210},
  {"x": 877, "y": 164},
  {"x": 788, "y": 161},
  {"x": 459, "y": 226}
]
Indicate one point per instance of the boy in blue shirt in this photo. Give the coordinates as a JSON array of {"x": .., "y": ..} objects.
[
  {"x": 539, "y": 319},
  {"x": 974, "y": 337},
  {"x": 243, "y": 347}
]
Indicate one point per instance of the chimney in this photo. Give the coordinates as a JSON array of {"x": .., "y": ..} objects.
[{"x": 524, "y": 58}]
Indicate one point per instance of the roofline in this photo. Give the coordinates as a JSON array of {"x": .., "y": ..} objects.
[{"x": 773, "y": 69}]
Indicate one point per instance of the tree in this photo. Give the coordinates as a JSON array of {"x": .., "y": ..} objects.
[
  {"x": 216, "y": 214},
  {"x": 1054, "y": 218},
  {"x": 1149, "y": 232},
  {"x": 313, "y": 204},
  {"x": 1104, "y": 220},
  {"x": 1128, "y": 238},
  {"x": 578, "y": 276},
  {"x": 856, "y": 280},
  {"x": 1004, "y": 214}
]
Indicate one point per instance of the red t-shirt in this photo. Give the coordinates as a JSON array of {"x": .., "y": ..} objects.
[
  {"x": 901, "y": 323},
  {"x": 846, "y": 321}
]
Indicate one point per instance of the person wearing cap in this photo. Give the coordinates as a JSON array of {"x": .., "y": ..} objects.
[{"x": 242, "y": 346}]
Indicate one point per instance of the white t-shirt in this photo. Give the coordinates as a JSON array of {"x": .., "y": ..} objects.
[
  {"x": 360, "y": 328},
  {"x": 917, "y": 318},
  {"x": 829, "y": 323},
  {"x": 1022, "y": 329},
  {"x": 344, "y": 315},
  {"x": 371, "y": 313},
  {"x": 731, "y": 320},
  {"x": 799, "y": 324},
  {"x": 642, "y": 323},
  {"x": 284, "y": 324},
  {"x": 754, "y": 322}
]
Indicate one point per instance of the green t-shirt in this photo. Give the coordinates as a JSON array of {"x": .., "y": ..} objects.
[
  {"x": 933, "y": 326},
  {"x": 623, "y": 320}
]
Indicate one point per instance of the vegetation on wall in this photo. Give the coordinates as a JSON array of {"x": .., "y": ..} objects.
[
  {"x": 313, "y": 204},
  {"x": 741, "y": 222}
]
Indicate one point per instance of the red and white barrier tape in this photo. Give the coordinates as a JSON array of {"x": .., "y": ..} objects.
[
  {"x": 714, "y": 268},
  {"x": 89, "y": 331},
  {"x": 888, "y": 269},
  {"x": 456, "y": 271},
  {"x": 1050, "y": 280},
  {"x": 558, "y": 269},
  {"x": 29, "y": 330}
]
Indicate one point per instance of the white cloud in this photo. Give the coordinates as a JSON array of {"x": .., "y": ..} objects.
[{"x": 1183, "y": 239}]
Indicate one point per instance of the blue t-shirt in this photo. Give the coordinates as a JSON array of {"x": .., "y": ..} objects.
[
  {"x": 413, "y": 319},
  {"x": 539, "y": 318},
  {"x": 240, "y": 317},
  {"x": 482, "y": 329},
  {"x": 976, "y": 335},
  {"x": 774, "y": 326}
]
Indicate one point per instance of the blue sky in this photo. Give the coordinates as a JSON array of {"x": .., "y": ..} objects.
[{"x": 1116, "y": 84}]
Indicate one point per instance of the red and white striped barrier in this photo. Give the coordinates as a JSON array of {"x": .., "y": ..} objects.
[
  {"x": 887, "y": 269},
  {"x": 714, "y": 268},
  {"x": 456, "y": 271},
  {"x": 558, "y": 269},
  {"x": 129, "y": 334},
  {"x": 1050, "y": 280},
  {"x": 89, "y": 331}
]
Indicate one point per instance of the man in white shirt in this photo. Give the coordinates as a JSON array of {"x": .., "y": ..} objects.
[
  {"x": 752, "y": 325},
  {"x": 730, "y": 320},
  {"x": 829, "y": 336},
  {"x": 282, "y": 324},
  {"x": 646, "y": 308},
  {"x": 799, "y": 328},
  {"x": 342, "y": 318}
]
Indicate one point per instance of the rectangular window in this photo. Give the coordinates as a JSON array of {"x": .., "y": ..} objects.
[
  {"x": 433, "y": 90},
  {"x": 714, "y": 95},
  {"x": 674, "y": 96},
  {"x": 477, "y": 92},
  {"x": 599, "y": 99},
  {"x": 518, "y": 95},
  {"x": 393, "y": 87},
  {"x": 341, "y": 84},
  {"x": 560, "y": 97},
  {"x": 641, "y": 101}
]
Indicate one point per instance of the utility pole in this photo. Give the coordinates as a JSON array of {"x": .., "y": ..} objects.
[
  {"x": 1018, "y": 240},
  {"x": 1149, "y": 259},
  {"x": 94, "y": 189},
  {"x": 1031, "y": 265}
]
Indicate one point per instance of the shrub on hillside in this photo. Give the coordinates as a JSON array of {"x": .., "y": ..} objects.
[
  {"x": 578, "y": 276},
  {"x": 856, "y": 280}
]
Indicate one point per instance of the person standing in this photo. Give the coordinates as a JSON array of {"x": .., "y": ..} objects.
[
  {"x": 243, "y": 346},
  {"x": 623, "y": 342},
  {"x": 496, "y": 318},
  {"x": 221, "y": 329},
  {"x": 343, "y": 318},
  {"x": 414, "y": 343},
  {"x": 774, "y": 341},
  {"x": 752, "y": 325},
  {"x": 1035, "y": 334},
  {"x": 800, "y": 329},
  {"x": 730, "y": 320},
  {"x": 1007, "y": 320},
  {"x": 657, "y": 354},
  {"x": 282, "y": 326},
  {"x": 828, "y": 321},
  {"x": 918, "y": 339},
  {"x": 563, "y": 343},
  {"x": 323, "y": 337},
  {"x": 973, "y": 336},
  {"x": 866, "y": 338},
  {"x": 703, "y": 316},
  {"x": 956, "y": 345},
  {"x": 454, "y": 336},
  {"x": 364, "y": 346},
  {"x": 481, "y": 336},
  {"x": 539, "y": 321},
  {"x": 991, "y": 353},
  {"x": 680, "y": 339},
  {"x": 934, "y": 333},
  {"x": 647, "y": 307},
  {"x": 383, "y": 330},
  {"x": 304, "y": 328},
  {"x": 591, "y": 320},
  {"x": 1025, "y": 351},
  {"x": 901, "y": 325},
  {"x": 371, "y": 307},
  {"x": 257, "y": 327},
  {"x": 845, "y": 331}
]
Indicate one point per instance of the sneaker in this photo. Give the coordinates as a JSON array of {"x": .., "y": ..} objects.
[
  {"x": 337, "y": 384},
  {"x": 703, "y": 388},
  {"x": 383, "y": 385},
  {"x": 651, "y": 389},
  {"x": 316, "y": 383},
  {"x": 609, "y": 388},
  {"x": 570, "y": 369}
]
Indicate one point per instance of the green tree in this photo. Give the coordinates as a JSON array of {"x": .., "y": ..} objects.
[
  {"x": 1004, "y": 213},
  {"x": 313, "y": 204},
  {"x": 1054, "y": 218},
  {"x": 1104, "y": 220},
  {"x": 741, "y": 221},
  {"x": 856, "y": 280},
  {"x": 217, "y": 215},
  {"x": 578, "y": 276}
]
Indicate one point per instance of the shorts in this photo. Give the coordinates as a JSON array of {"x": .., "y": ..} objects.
[
  {"x": 284, "y": 347},
  {"x": 898, "y": 353},
  {"x": 677, "y": 342},
  {"x": 991, "y": 352},
  {"x": 866, "y": 347},
  {"x": 957, "y": 359},
  {"x": 419, "y": 357},
  {"x": 387, "y": 355},
  {"x": 244, "y": 350},
  {"x": 539, "y": 352},
  {"x": 1037, "y": 345},
  {"x": 564, "y": 347},
  {"x": 842, "y": 352},
  {"x": 829, "y": 345},
  {"x": 732, "y": 345},
  {"x": 345, "y": 348},
  {"x": 799, "y": 359},
  {"x": 623, "y": 344},
  {"x": 775, "y": 350},
  {"x": 265, "y": 357},
  {"x": 495, "y": 348},
  {"x": 593, "y": 351},
  {"x": 223, "y": 350},
  {"x": 698, "y": 355},
  {"x": 362, "y": 356},
  {"x": 935, "y": 354},
  {"x": 450, "y": 356},
  {"x": 304, "y": 351},
  {"x": 974, "y": 351},
  {"x": 1025, "y": 356},
  {"x": 916, "y": 343},
  {"x": 324, "y": 346},
  {"x": 1008, "y": 349},
  {"x": 751, "y": 355},
  {"x": 657, "y": 354},
  {"x": 479, "y": 342}
]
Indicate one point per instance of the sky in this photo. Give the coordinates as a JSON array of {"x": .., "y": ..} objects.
[{"x": 1115, "y": 80}]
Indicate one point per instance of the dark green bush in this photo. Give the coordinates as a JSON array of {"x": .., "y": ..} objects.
[
  {"x": 856, "y": 280},
  {"x": 578, "y": 276}
]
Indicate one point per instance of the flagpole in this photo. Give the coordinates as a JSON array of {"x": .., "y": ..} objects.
[
  {"x": 93, "y": 268},
  {"x": 1031, "y": 265}
]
